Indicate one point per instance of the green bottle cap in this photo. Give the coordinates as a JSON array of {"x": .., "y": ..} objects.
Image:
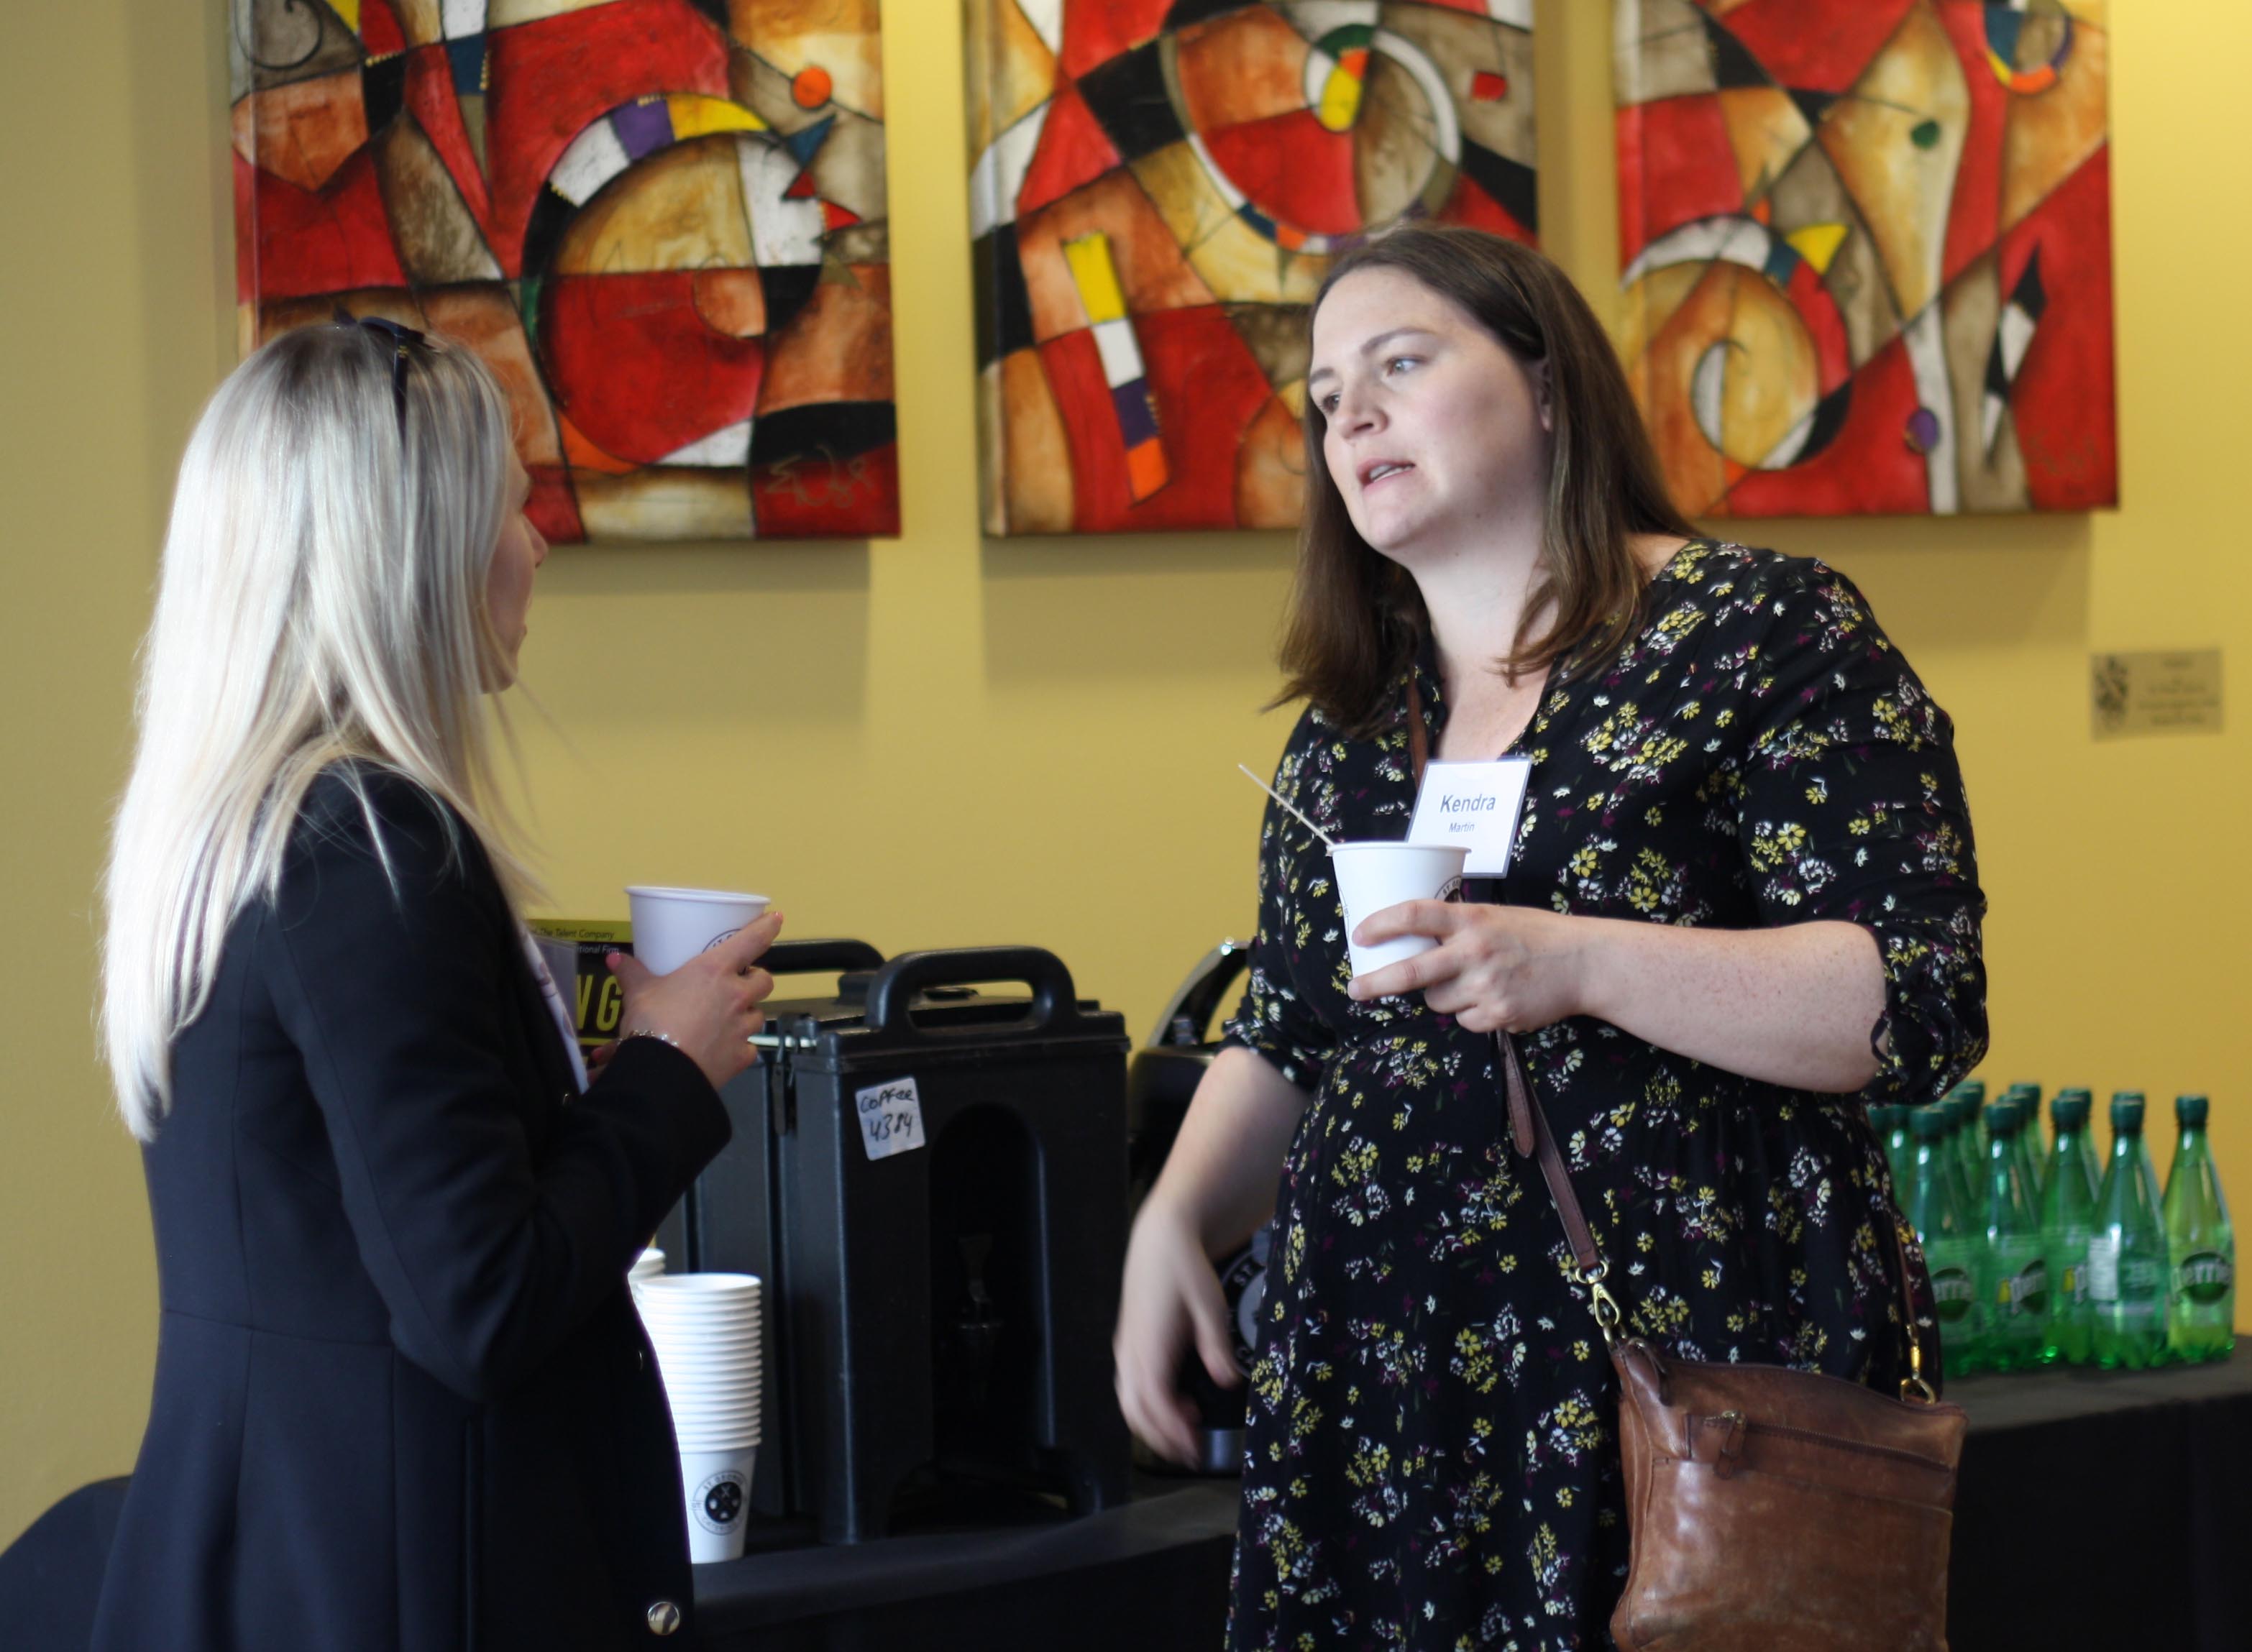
[
  {"x": 1972, "y": 1087},
  {"x": 1931, "y": 1123},
  {"x": 2032, "y": 1091},
  {"x": 2070, "y": 1108},
  {"x": 2127, "y": 1110},
  {"x": 2189, "y": 1111},
  {"x": 2006, "y": 1116}
]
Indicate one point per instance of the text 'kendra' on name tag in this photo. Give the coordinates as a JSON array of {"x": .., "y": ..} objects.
[
  {"x": 1473, "y": 804},
  {"x": 891, "y": 1118}
]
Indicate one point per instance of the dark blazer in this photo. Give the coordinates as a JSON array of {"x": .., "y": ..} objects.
[{"x": 402, "y": 1398}]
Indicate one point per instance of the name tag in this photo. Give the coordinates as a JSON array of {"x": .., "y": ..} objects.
[{"x": 1473, "y": 804}]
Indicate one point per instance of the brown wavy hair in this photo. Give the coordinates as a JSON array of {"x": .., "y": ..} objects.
[{"x": 1355, "y": 618}]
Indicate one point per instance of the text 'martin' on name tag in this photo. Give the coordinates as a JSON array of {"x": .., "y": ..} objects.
[{"x": 1475, "y": 804}]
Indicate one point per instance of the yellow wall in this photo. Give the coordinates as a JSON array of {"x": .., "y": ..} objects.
[{"x": 938, "y": 740}]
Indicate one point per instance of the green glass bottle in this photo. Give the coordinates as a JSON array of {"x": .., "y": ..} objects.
[
  {"x": 1950, "y": 1249},
  {"x": 2091, "y": 1162},
  {"x": 2013, "y": 1270},
  {"x": 2029, "y": 1140},
  {"x": 2201, "y": 1246},
  {"x": 2067, "y": 1222},
  {"x": 1966, "y": 1104},
  {"x": 2127, "y": 1252},
  {"x": 1962, "y": 1156}
]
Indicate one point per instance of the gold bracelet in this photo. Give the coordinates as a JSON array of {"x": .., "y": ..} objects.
[{"x": 651, "y": 1032}]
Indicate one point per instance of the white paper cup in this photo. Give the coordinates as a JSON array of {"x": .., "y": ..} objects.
[
  {"x": 717, "y": 1288},
  {"x": 672, "y": 926},
  {"x": 717, "y": 1483},
  {"x": 648, "y": 1265},
  {"x": 710, "y": 1378},
  {"x": 1373, "y": 876},
  {"x": 721, "y": 1426}
]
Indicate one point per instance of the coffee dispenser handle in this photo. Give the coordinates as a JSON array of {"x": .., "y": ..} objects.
[
  {"x": 1054, "y": 1001},
  {"x": 819, "y": 957}
]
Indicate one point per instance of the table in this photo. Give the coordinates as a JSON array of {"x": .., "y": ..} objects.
[
  {"x": 2111, "y": 1511},
  {"x": 2105, "y": 1511}
]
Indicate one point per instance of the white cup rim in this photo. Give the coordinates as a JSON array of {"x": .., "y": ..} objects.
[
  {"x": 718, "y": 1287},
  {"x": 681, "y": 891},
  {"x": 1397, "y": 844}
]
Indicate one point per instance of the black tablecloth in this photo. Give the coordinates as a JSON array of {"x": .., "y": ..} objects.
[{"x": 2110, "y": 1512}]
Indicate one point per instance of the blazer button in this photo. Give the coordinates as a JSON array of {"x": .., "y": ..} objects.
[{"x": 664, "y": 1617}]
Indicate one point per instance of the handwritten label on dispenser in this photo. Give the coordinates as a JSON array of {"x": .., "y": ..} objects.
[{"x": 891, "y": 1118}]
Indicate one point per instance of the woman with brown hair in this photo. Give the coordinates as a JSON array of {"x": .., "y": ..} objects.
[{"x": 1742, "y": 905}]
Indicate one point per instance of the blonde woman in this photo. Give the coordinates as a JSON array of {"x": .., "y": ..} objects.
[{"x": 402, "y": 1400}]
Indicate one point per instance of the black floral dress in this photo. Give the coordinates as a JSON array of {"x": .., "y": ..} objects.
[{"x": 1431, "y": 1460}]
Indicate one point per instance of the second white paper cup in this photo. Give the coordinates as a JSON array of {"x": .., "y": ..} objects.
[
  {"x": 1373, "y": 876},
  {"x": 717, "y": 1483},
  {"x": 672, "y": 926}
]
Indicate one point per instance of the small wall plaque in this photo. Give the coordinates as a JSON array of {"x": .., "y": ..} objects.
[{"x": 2174, "y": 691}]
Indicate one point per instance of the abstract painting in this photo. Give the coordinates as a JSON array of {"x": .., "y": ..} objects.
[
  {"x": 1867, "y": 252},
  {"x": 660, "y": 222},
  {"x": 1157, "y": 189}
]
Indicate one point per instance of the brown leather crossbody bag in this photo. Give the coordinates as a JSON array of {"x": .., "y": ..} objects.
[{"x": 1768, "y": 1509}]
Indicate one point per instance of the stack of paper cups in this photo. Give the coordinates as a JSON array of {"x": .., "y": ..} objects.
[
  {"x": 705, "y": 1328},
  {"x": 648, "y": 1265}
]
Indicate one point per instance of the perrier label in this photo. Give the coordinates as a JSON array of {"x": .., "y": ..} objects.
[
  {"x": 1953, "y": 1293},
  {"x": 2204, "y": 1278},
  {"x": 2026, "y": 1291}
]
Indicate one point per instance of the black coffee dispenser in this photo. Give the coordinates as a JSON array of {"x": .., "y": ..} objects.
[{"x": 933, "y": 1183}]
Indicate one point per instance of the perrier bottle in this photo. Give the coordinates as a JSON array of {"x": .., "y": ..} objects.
[
  {"x": 2029, "y": 1140},
  {"x": 2068, "y": 1223},
  {"x": 2201, "y": 1246},
  {"x": 1950, "y": 1249},
  {"x": 2127, "y": 1253},
  {"x": 2013, "y": 1273}
]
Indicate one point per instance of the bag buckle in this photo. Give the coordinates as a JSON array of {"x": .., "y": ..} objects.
[
  {"x": 1607, "y": 1317},
  {"x": 1913, "y": 1386}
]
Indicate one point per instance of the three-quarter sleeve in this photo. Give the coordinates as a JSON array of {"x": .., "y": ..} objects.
[
  {"x": 1850, "y": 806},
  {"x": 1275, "y": 1018}
]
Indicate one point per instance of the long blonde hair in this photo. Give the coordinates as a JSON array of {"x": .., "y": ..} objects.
[{"x": 322, "y": 600}]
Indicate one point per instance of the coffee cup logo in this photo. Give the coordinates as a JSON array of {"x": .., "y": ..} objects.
[
  {"x": 1451, "y": 890},
  {"x": 716, "y": 939},
  {"x": 719, "y": 1501}
]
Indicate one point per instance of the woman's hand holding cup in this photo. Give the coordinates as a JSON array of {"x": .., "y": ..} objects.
[{"x": 708, "y": 1009}]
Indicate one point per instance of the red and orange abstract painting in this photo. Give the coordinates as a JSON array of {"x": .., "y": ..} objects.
[
  {"x": 1867, "y": 252},
  {"x": 1159, "y": 187},
  {"x": 660, "y": 222}
]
